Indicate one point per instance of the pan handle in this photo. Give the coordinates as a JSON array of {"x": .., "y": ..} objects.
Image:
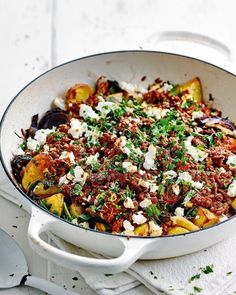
[
  {"x": 132, "y": 248},
  {"x": 194, "y": 44}
]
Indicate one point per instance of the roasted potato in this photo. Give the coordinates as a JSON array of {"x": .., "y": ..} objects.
[
  {"x": 177, "y": 230},
  {"x": 141, "y": 230},
  {"x": 35, "y": 169},
  {"x": 200, "y": 218},
  {"x": 55, "y": 202},
  {"x": 183, "y": 222},
  {"x": 40, "y": 191},
  {"x": 78, "y": 94},
  {"x": 194, "y": 89},
  {"x": 76, "y": 210}
]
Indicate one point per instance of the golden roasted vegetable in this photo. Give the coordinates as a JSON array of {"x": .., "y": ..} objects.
[
  {"x": 176, "y": 230},
  {"x": 100, "y": 226},
  {"x": 211, "y": 222},
  {"x": 194, "y": 89},
  {"x": 35, "y": 169},
  {"x": 76, "y": 210},
  {"x": 56, "y": 203},
  {"x": 200, "y": 218},
  {"x": 40, "y": 191},
  {"x": 141, "y": 230},
  {"x": 233, "y": 203},
  {"x": 183, "y": 222},
  {"x": 78, "y": 93}
]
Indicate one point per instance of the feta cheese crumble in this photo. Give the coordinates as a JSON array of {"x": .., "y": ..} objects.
[
  {"x": 32, "y": 144},
  {"x": 67, "y": 155},
  {"x": 154, "y": 229},
  {"x": 60, "y": 103},
  {"x": 145, "y": 203},
  {"x": 232, "y": 189},
  {"x": 138, "y": 218},
  {"x": 179, "y": 211},
  {"x": 186, "y": 177},
  {"x": 77, "y": 128},
  {"x": 105, "y": 107},
  {"x": 128, "y": 203},
  {"x": 127, "y": 225},
  {"x": 92, "y": 159},
  {"x": 231, "y": 161},
  {"x": 132, "y": 88},
  {"x": 194, "y": 152},
  {"x": 86, "y": 111},
  {"x": 150, "y": 158},
  {"x": 129, "y": 167}
]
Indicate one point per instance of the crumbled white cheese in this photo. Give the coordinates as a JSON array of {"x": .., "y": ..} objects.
[
  {"x": 197, "y": 114},
  {"x": 154, "y": 229},
  {"x": 74, "y": 221},
  {"x": 63, "y": 180},
  {"x": 143, "y": 183},
  {"x": 32, "y": 144},
  {"x": 167, "y": 87},
  {"x": 138, "y": 152},
  {"x": 84, "y": 224},
  {"x": 169, "y": 174},
  {"x": 179, "y": 211},
  {"x": 138, "y": 218},
  {"x": 141, "y": 172},
  {"x": 232, "y": 189},
  {"x": 186, "y": 177},
  {"x": 41, "y": 135},
  {"x": 132, "y": 88},
  {"x": 77, "y": 128},
  {"x": 129, "y": 167},
  {"x": 20, "y": 151},
  {"x": 153, "y": 187},
  {"x": 194, "y": 152},
  {"x": 105, "y": 107},
  {"x": 80, "y": 175},
  {"x": 128, "y": 203},
  {"x": 127, "y": 225},
  {"x": 223, "y": 217},
  {"x": 231, "y": 161},
  {"x": 60, "y": 103},
  {"x": 86, "y": 111},
  {"x": 67, "y": 155},
  {"x": 46, "y": 149},
  {"x": 92, "y": 159},
  {"x": 150, "y": 158},
  {"x": 154, "y": 112},
  {"x": 175, "y": 189},
  {"x": 145, "y": 203}
]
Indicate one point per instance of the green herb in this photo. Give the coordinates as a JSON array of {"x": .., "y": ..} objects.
[
  {"x": 43, "y": 204},
  {"x": 66, "y": 211},
  {"x": 219, "y": 135},
  {"x": 95, "y": 165},
  {"x": 84, "y": 217},
  {"x": 161, "y": 189},
  {"x": 229, "y": 273},
  {"x": 128, "y": 193},
  {"x": 188, "y": 104},
  {"x": 195, "y": 277},
  {"x": 77, "y": 189},
  {"x": 192, "y": 212},
  {"x": 171, "y": 166},
  {"x": 198, "y": 289},
  {"x": 208, "y": 269},
  {"x": 153, "y": 212},
  {"x": 114, "y": 187},
  {"x": 22, "y": 146},
  {"x": 57, "y": 136},
  {"x": 72, "y": 171},
  {"x": 175, "y": 90},
  {"x": 188, "y": 197}
]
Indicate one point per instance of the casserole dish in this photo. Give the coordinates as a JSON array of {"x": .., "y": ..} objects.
[{"x": 128, "y": 66}]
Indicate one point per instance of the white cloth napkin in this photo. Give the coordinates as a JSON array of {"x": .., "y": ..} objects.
[{"x": 168, "y": 276}]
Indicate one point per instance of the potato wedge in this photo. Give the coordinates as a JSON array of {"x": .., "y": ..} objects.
[
  {"x": 78, "y": 93},
  {"x": 183, "y": 222},
  {"x": 233, "y": 203},
  {"x": 210, "y": 215},
  {"x": 100, "y": 226},
  {"x": 56, "y": 203},
  {"x": 34, "y": 170},
  {"x": 176, "y": 230},
  {"x": 194, "y": 88},
  {"x": 200, "y": 218},
  {"x": 141, "y": 230},
  {"x": 40, "y": 191},
  {"x": 211, "y": 222},
  {"x": 76, "y": 210}
]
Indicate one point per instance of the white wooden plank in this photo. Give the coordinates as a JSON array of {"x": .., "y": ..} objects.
[{"x": 25, "y": 38}]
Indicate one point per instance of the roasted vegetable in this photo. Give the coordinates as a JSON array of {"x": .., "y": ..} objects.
[
  {"x": 200, "y": 218},
  {"x": 55, "y": 203},
  {"x": 35, "y": 169},
  {"x": 223, "y": 124},
  {"x": 78, "y": 94},
  {"x": 17, "y": 164},
  {"x": 76, "y": 210},
  {"x": 183, "y": 222},
  {"x": 193, "y": 89},
  {"x": 40, "y": 190},
  {"x": 53, "y": 118},
  {"x": 141, "y": 230},
  {"x": 176, "y": 230}
]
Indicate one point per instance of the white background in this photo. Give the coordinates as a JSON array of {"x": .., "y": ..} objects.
[{"x": 36, "y": 35}]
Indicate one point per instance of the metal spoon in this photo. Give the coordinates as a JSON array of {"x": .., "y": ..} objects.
[{"x": 14, "y": 269}]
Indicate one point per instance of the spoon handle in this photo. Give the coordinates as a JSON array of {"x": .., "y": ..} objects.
[{"x": 46, "y": 286}]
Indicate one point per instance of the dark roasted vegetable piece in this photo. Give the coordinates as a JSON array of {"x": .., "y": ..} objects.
[
  {"x": 17, "y": 164},
  {"x": 53, "y": 117},
  {"x": 33, "y": 127},
  {"x": 223, "y": 124}
]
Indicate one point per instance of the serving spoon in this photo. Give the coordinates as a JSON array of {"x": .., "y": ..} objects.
[{"x": 14, "y": 269}]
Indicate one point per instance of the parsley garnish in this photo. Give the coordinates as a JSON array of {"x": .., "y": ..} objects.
[
  {"x": 198, "y": 289},
  {"x": 208, "y": 269},
  {"x": 77, "y": 189},
  {"x": 195, "y": 277},
  {"x": 229, "y": 273},
  {"x": 153, "y": 212}
]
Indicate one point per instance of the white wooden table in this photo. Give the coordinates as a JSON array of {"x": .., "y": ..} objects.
[{"x": 36, "y": 35}]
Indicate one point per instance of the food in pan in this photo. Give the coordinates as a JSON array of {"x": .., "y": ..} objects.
[{"x": 124, "y": 159}]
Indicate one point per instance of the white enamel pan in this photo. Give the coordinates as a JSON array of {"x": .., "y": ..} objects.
[{"x": 128, "y": 66}]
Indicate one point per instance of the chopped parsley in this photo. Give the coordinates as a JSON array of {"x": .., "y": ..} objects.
[
  {"x": 195, "y": 277},
  {"x": 198, "y": 289},
  {"x": 153, "y": 212},
  {"x": 208, "y": 269},
  {"x": 77, "y": 189}
]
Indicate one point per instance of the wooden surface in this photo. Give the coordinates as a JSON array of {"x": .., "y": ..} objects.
[{"x": 37, "y": 35}]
